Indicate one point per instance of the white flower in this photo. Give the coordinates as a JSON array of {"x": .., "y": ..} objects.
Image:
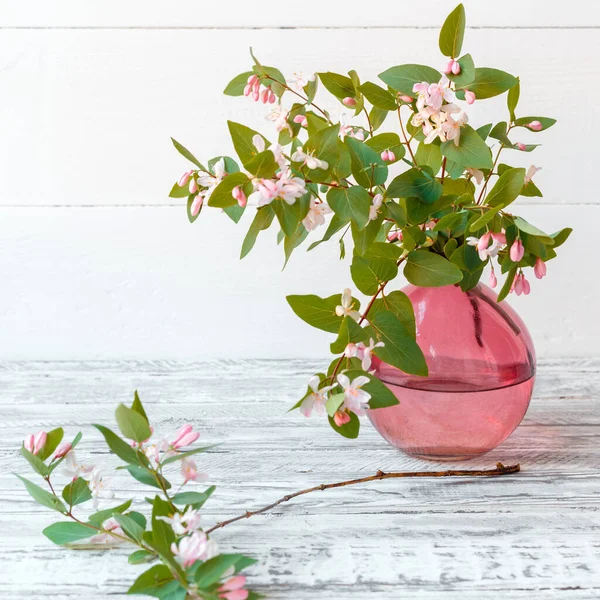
[
  {"x": 367, "y": 352},
  {"x": 317, "y": 399},
  {"x": 346, "y": 308},
  {"x": 308, "y": 159},
  {"x": 349, "y": 130},
  {"x": 190, "y": 549},
  {"x": 279, "y": 117},
  {"x": 355, "y": 399},
  {"x": 300, "y": 80},
  {"x": 211, "y": 181},
  {"x": 477, "y": 175},
  {"x": 530, "y": 173},
  {"x": 71, "y": 468},
  {"x": 433, "y": 128},
  {"x": 375, "y": 206},
  {"x": 99, "y": 486},
  {"x": 290, "y": 188},
  {"x": 451, "y": 126},
  {"x": 316, "y": 215},
  {"x": 259, "y": 142},
  {"x": 184, "y": 523}
]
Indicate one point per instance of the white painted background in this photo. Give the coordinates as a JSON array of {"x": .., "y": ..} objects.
[{"x": 97, "y": 262}]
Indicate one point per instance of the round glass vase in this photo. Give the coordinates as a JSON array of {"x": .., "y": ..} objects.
[{"x": 481, "y": 364}]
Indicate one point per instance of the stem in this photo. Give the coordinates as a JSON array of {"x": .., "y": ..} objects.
[
  {"x": 487, "y": 179},
  {"x": 406, "y": 137},
  {"x": 498, "y": 471},
  {"x": 368, "y": 121},
  {"x": 287, "y": 87},
  {"x": 443, "y": 169}
]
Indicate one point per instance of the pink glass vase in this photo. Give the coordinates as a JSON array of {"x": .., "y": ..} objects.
[{"x": 481, "y": 373}]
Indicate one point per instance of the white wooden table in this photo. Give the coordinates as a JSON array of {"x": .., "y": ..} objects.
[{"x": 531, "y": 535}]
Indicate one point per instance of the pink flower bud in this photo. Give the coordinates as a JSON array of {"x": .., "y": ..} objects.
[
  {"x": 272, "y": 97},
  {"x": 301, "y": 119},
  {"x": 535, "y": 126},
  {"x": 540, "y": 268},
  {"x": 484, "y": 241},
  {"x": 526, "y": 286},
  {"x": 449, "y": 66},
  {"x": 385, "y": 156},
  {"x": 34, "y": 443},
  {"x": 255, "y": 94},
  {"x": 500, "y": 238},
  {"x": 196, "y": 205},
  {"x": 392, "y": 236},
  {"x": 193, "y": 187},
  {"x": 233, "y": 589},
  {"x": 28, "y": 443},
  {"x": 517, "y": 251},
  {"x": 493, "y": 281},
  {"x": 407, "y": 99},
  {"x": 264, "y": 95},
  {"x": 252, "y": 79},
  {"x": 184, "y": 178},
  {"x": 247, "y": 90},
  {"x": 521, "y": 146},
  {"x": 63, "y": 449},
  {"x": 185, "y": 436},
  {"x": 469, "y": 97},
  {"x": 391, "y": 156},
  {"x": 341, "y": 418},
  {"x": 349, "y": 102},
  {"x": 519, "y": 285},
  {"x": 456, "y": 68},
  {"x": 238, "y": 194}
]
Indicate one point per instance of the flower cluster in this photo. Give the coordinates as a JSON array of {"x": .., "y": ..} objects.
[
  {"x": 191, "y": 564},
  {"x": 443, "y": 218}
]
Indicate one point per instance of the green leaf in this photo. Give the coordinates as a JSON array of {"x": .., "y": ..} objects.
[
  {"x": 178, "y": 191},
  {"x": 491, "y": 82},
  {"x": 242, "y": 136},
  {"x": 335, "y": 225},
  {"x": 77, "y": 492},
  {"x": 466, "y": 258},
  {"x": 334, "y": 401},
  {"x": 119, "y": 447},
  {"x": 187, "y": 154},
  {"x": 66, "y": 533},
  {"x": 262, "y": 165},
  {"x": 318, "y": 312},
  {"x": 506, "y": 189},
  {"x": 449, "y": 221},
  {"x": 378, "y": 96},
  {"x": 453, "y": 32},
  {"x": 399, "y": 304},
  {"x": 426, "y": 269},
  {"x": 53, "y": 439},
  {"x": 102, "y": 515},
  {"x": 400, "y": 350},
  {"x": 348, "y": 430},
  {"x": 131, "y": 528},
  {"x": 43, "y": 497},
  {"x": 141, "y": 556},
  {"x": 429, "y": 155},
  {"x": 560, "y": 237},
  {"x": 403, "y": 77},
  {"x": 237, "y": 85},
  {"x": 132, "y": 425},
  {"x": 377, "y": 116},
  {"x": 364, "y": 238},
  {"x": 523, "y": 225},
  {"x": 367, "y": 166},
  {"x": 369, "y": 273},
  {"x": 470, "y": 279},
  {"x": 158, "y": 582},
  {"x": 185, "y": 498},
  {"x": 234, "y": 212},
  {"x": 415, "y": 183},
  {"x": 507, "y": 284},
  {"x": 138, "y": 407},
  {"x": 182, "y": 455},
  {"x": 262, "y": 220},
  {"x": 484, "y": 131},
  {"x": 221, "y": 196},
  {"x": 350, "y": 332},
  {"x": 472, "y": 151},
  {"x": 162, "y": 533},
  {"x": 37, "y": 463},
  {"x": 288, "y": 215},
  {"x": 484, "y": 219},
  {"x": 513, "y": 99},
  {"x": 500, "y": 133},
  {"x": 147, "y": 477},
  {"x": 338, "y": 85},
  {"x": 350, "y": 204},
  {"x": 211, "y": 571},
  {"x": 546, "y": 122}
]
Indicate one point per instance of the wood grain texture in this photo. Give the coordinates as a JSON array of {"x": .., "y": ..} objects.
[
  {"x": 534, "y": 535},
  {"x": 141, "y": 282},
  {"x": 313, "y": 13}
]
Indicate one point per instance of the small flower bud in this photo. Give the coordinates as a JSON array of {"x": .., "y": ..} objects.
[
  {"x": 238, "y": 194},
  {"x": 392, "y": 236},
  {"x": 301, "y": 119},
  {"x": 407, "y": 99},
  {"x": 493, "y": 281},
  {"x": 517, "y": 251},
  {"x": 63, "y": 449},
  {"x": 349, "y": 102},
  {"x": 272, "y": 97},
  {"x": 535, "y": 126},
  {"x": 540, "y": 268},
  {"x": 341, "y": 418},
  {"x": 385, "y": 155},
  {"x": 521, "y": 146},
  {"x": 196, "y": 205},
  {"x": 193, "y": 187},
  {"x": 469, "y": 97},
  {"x": 391, "y": 156},
  {"x": 526, "y": 286},
  {"x": 184, "y": 178},
  {"x": 449, "y": 66},
  {"x": 456, "y": 68},
  {"x": 264, "y": 95}
]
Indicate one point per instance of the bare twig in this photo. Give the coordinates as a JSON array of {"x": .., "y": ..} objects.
[{"x": 498, "y": 471}]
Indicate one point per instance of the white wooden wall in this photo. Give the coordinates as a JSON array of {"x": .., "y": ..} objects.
[{"x": 97, "y": 262}]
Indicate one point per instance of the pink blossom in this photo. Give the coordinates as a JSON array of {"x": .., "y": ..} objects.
[
  {"x": 193, "y": 187},
  {"x": 188, "y": 522},
  {"x": 499, "y": 238},
  {"x": 196, "y": 205},
  {"x": 451, "y": 127},
  {"x": 355, "y": 398},
  {"x": 540, "y": 268},
  {"x": 341, "y": 417},
  {"x": 407, "y": 99},
  {"x": 535, "y": 126},
  {"x": 278, "y": 116},
  {"x": 34, "y": 443},
  {"x": 302, "y": 120},
  {"x": 190, "y": 472},
  {"x": 449, "y": 66},
  {"x": 63, "y": 449},
  {"x": 233, "y": 589},
  {"x": 521, "y": 285},
  {"x": 517, "y": 250},
  {"x": 530, "y": 173},
  {"x": 493, "y": 281},
  {"x": 438, "y": 92},
  {"x": 349, "y": 102},
  {"x": 484, "y": 241},
  {"x": 190, "y": 549},
  {"x": 109, "y": 526},
  {"x": 482, "y": 245},
  {"x": 526, "y": 286},
  {"x": 317, "y": 399},
  {"x": 316, "y": 215},
  {"x": 184, "y": 437},
  {"x": 388, "y": 156},
  {"x": 521, "y": 146},
  {"x": 456, "y": 68},
  {"x": 184, "y": 178},
  {"x": 375, "y": 206},
  {"x": 470, "y": 97},
  {"x": 476, "y": 174},
  {"x": 392, "y": 236},
  {"x": 238, "y": 193}
]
